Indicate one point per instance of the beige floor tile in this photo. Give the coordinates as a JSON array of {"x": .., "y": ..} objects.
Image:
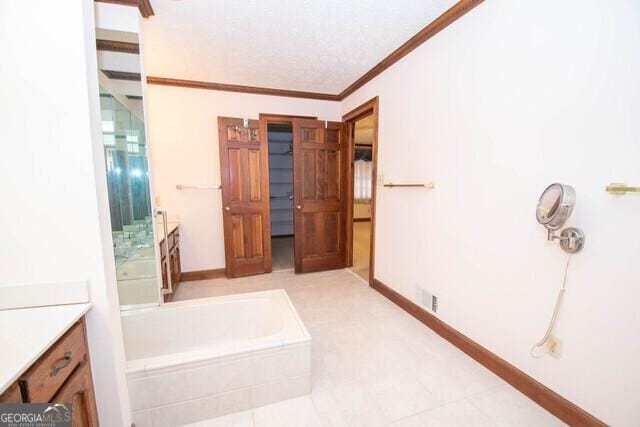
[
  {"x": 372, "y": 364},
  {"x": 299, "y": 412},
  {"x": 239, "y": 419},
  {"x": 508, "y": 407},
  {"x": 456, "y": 414},
  {"x": 361, "y": 248}
]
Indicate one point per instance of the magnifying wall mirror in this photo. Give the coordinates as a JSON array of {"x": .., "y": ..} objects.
[{"x": 554, "y": 208}]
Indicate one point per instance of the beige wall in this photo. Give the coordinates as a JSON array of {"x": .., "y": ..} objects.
[
  {"x": 55, "y": 211},
  {"x": 510, "y": 98},
  {"x": 183, "y": 141}
]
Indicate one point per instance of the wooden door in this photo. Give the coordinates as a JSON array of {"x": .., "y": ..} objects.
[
  {"x": 245, "y": 197},
  {"x": 320, "y": 181}
]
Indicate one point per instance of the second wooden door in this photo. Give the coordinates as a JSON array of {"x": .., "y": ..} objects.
[{"x": 320, "y": 185}]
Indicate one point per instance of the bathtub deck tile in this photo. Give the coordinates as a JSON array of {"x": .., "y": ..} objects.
[
  {"x": 202, "y": 381},
  {"x": 166, "y": 388},
  {"x": 236, "y": 401},
  {"x": 142, "y": 418}
]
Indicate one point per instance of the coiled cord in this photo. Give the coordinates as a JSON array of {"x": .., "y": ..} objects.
[{"x": 554, "y": 316}]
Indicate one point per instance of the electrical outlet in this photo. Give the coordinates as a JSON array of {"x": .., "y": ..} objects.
[{"x": 554, "y": 347}]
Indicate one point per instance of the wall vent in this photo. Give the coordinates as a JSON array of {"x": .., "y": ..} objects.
[{"x": 427, "y": 299}]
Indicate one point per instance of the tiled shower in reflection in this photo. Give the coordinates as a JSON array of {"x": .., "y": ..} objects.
[{"x": 131, "y": 212}]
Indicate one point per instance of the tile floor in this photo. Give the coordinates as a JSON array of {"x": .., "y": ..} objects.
[
  {"x": 361, "y": 248},
  {"x": 373, "y": 364}
]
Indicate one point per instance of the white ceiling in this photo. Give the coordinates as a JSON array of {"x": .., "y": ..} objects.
[{"x": 307, "y": 45}]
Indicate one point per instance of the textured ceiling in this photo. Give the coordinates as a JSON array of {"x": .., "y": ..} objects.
[{"x": 306, "y": 45}]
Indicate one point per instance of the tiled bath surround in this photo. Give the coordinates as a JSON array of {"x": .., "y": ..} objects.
[{"x": 210, "y": 381}]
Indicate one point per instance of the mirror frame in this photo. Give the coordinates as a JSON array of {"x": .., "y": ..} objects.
[{"x": 567, "y": 202}]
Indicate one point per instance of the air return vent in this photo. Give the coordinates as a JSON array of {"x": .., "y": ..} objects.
[{"x": 427, "y": 299}]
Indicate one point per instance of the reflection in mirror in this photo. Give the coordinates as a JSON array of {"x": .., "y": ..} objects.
[
  {"x": 549, "y": 204},
  {"x": 555, "y": 205},
  {"x": 126, "y": 162}
]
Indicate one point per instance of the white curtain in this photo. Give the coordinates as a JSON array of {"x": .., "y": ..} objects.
[{"x": 362, "y": 182}]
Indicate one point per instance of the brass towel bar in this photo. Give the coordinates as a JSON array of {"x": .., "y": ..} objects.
[
  {"x": 621, "y": 188},
  {"x": 428, "y": 185},
  {"x": 198, "y": 187}
]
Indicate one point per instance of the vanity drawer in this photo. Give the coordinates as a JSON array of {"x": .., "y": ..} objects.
[{"x": 45, "y": 377}]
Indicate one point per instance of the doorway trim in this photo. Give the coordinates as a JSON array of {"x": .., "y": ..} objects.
[{"x": 369, "y": 108}]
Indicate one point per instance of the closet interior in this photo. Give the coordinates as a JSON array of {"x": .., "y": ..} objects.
[{"x": 280, "y": 141}]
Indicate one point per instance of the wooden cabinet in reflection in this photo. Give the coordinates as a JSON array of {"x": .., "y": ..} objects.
[{"x": 170, "y": 262}]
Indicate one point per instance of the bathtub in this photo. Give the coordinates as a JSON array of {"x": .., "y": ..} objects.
[{"x": 194, "y": 360}]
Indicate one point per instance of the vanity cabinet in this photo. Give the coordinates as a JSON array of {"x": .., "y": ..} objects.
[
  {"x": 61, "y": 375},
  {"x": 170, "y": 262}
]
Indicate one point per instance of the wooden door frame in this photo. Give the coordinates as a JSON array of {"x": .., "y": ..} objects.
[
  {"x": 265, "y": 119},
  {"x": 369, "y": 108}
]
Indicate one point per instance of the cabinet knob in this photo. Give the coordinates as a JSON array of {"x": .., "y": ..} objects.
[
  {"x": 227, "y": 208},
  {"x": 299, "y": 207}
]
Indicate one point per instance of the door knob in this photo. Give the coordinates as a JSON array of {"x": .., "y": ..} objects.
[
  {"x": 227, "y": 208},
  {"x": 299, "y": 207}
]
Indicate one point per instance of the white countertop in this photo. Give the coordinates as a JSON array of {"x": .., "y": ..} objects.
[
  {"x": 160, "y": 229},
  {"x": 26, "y": 333}
]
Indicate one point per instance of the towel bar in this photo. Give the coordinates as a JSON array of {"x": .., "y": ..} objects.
[
  {"x": 198, "y": 187},
  {"x": 429, "y": 185},
  {"x": 619, "y": 188}
]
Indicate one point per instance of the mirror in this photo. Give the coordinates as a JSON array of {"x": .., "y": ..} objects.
[
  {"x": 555, "y": 206},
  {"x": 126, "y": 161}
]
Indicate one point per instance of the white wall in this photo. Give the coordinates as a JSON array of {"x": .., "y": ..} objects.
[
  {"x": 183, "y": 144},
  {"x": 510, "y": 98},
  {"x": 55, "y": 221}
]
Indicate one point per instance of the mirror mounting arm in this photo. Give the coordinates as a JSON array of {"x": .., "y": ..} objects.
[{"x": 551, "y": 236}]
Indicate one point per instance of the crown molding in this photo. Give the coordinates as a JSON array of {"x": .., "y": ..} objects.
[
  {"x": 144, "y": 6},
  {"x": 440, "y": 23},
  {"x": 194, "y": 84}
]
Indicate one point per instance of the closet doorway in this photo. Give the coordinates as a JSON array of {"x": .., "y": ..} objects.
[
  {"x": 362, "y": 125},
  {"x": 284, "y": 181},
  {"x": 280, "y": 143}
]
